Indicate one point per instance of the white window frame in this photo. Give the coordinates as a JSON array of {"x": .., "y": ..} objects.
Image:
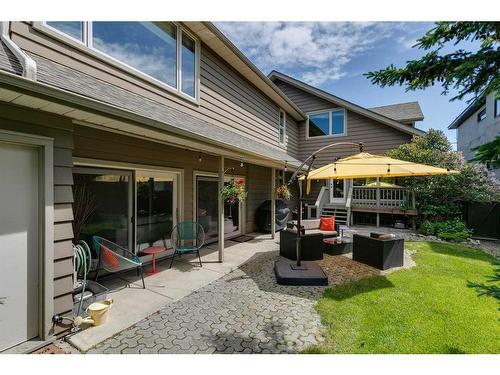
[
  {"x": 330, "y": 123},
  {"x": 87, "y": 47},
  {"x": 281, "y": 126},
  {"x": 479, "y": 113}
]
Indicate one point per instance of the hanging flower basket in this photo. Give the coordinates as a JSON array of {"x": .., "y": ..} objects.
[
  {"x": 283, "y": 192},
  {"x": 234, "y": 191}
]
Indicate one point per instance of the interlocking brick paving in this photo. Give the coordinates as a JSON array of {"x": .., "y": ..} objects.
[{"x": 245, "y": 311}]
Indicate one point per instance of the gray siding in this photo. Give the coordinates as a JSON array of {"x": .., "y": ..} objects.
[
  {"x": 227, "y": 99},
  {"x": 96, "y": 144},
  {"x": 259, "y": 189},
  {"x": 471, "y": 133},
  {"x": 60, "y": 129},
  {"x": 376, "y": 137}
]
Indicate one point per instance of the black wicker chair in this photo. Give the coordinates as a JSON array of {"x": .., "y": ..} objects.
[
  {"x": 311, "y": 245},
  {"x": 378, "y": 252}
]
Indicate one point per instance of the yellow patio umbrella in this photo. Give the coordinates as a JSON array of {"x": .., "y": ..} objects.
[
  {"x": 382, "y": 184},
  {"x": 365, "y": 165}
]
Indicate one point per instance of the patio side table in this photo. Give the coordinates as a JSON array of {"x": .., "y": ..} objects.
[
  {"x": 153, "y": 250},
  {"x": 337, "y": 246}
]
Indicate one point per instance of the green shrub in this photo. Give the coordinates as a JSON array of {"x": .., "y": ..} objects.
[
  {"x": 450, "y": 230},
  {"x": 455, "y": 236}
]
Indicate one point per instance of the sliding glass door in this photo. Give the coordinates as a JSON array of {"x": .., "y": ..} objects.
[
  {"x": 102, "y": 205},
  {"x": 156, "y": 204},
  {"x": 206, "y": 196}
]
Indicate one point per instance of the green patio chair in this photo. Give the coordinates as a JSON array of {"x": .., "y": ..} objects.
[
  {"x": 187, "y": 237},
  {"x": 114, "y": 258}
]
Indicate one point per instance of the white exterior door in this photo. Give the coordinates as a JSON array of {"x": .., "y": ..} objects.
[
  {"x": 338, "y": 191},
  {"x": 19, "y": 244}
]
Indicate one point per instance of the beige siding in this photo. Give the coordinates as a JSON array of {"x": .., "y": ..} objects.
[
  {"x": 259, "y": 189},
  {"x": 227, "y": 99},
  {"x": 60, "y": 129},
  {"x": 376, "y": 137},
  {"x": 101, "y": 145}
]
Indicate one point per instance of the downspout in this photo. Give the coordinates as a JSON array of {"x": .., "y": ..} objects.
[{"x": 28, "y": 64}]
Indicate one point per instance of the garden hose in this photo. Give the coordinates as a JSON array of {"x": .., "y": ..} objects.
[{"x": 83, "y": 259}]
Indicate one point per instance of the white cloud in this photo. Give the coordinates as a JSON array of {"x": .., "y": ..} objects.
[{"x": 317, "y": 52}]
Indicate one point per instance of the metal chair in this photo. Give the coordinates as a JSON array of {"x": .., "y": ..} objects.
[
  {"x": 187, "y": 237},
  {"x": 114, "y": 258}
]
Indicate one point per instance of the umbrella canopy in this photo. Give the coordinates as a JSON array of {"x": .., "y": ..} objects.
[{"x": 365, "y": 165}]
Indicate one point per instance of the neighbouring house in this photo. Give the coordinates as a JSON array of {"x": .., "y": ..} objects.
[
  {"x": 140, "y": 125},
  {"x": 478, "y": 124}
]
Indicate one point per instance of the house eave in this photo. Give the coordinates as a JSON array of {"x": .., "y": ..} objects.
[
  {"x": 63, "y": 97},
  {"x": 344, "y": 103}
]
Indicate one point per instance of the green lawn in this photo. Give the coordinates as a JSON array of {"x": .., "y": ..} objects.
[{"x": 426, "y": 309}]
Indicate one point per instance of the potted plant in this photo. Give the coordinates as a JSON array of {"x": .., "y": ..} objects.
[
  {"x": 283, "y": 192},
  {"x": 234, "y": 191}
]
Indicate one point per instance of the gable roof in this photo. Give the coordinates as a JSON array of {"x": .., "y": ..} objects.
[
  {"x": 274, "y": 75},
  {"x": 402, "y": 112}
]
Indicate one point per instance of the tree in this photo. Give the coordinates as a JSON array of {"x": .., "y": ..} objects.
[
  {"x": 492, "y": 287},
  {"x": 488, "y": 153},
  {"x": 470, "y": 73},
  {"x": 439, "y": 198}
]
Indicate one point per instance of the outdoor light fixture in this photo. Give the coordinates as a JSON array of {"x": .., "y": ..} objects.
[
  {"x": 285, "y": 166},
  {"x": 388, "y": 168},
  {"x": 199, "y": 158},
  {"x": 241, "y": 163}
]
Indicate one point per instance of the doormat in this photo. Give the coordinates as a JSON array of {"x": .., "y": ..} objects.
[
  {"x": 49, "y": 349},
  {"x": 243, "y": 238}
]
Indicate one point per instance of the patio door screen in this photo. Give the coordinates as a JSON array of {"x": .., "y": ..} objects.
[{"x": 157, "y": 211}]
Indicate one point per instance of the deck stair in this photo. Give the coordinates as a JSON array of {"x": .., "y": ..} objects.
[{"x": 339, "y": 212}]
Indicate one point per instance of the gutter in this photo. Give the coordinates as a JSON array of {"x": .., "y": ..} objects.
[{"x": 28, "y": 64}]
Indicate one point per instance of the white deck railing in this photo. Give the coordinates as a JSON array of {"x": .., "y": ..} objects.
[{"x": 382, "y": 197}]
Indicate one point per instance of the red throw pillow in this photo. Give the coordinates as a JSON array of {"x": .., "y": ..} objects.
[{"x": 327, "y": 224}]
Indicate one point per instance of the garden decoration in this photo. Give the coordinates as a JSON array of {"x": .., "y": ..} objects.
[
  {"x": 235, "y": 191},
  {"x": 283, "y": 192}
]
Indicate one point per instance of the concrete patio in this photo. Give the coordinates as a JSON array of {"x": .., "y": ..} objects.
[{"x": 133, "y": 303}]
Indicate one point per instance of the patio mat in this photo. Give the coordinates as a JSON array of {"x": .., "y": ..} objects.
[
  {"x": 49, "y": 349},
  {"x": 243, "y": 238}
]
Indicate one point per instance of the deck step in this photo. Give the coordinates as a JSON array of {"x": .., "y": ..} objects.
[{"x": 340, "y": 213}]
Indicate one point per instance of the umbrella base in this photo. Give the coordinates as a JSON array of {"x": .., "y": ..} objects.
[{"x": 308, "y": 274}]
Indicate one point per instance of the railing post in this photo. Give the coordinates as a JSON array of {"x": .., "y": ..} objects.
[
  {"x": 413, "y": 199},
  {"x": 273, "y": 203}
]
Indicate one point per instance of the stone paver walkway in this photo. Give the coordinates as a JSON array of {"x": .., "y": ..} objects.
[{"x": 245, "y": 311}]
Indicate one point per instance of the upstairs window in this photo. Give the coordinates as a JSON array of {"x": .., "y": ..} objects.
[
  {"x": 145, "y": 46},
  {"x": 161, "y": 52},
  {"x": 497, "y": 106},
  {"x": 282, "y": 127},
  {"x": 481, "y": 115},
  {"x": 72, "y": 29},
  {"x": 327, "y": 123}
]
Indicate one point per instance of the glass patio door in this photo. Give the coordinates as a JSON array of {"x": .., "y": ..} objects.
[
  {"x": 156, "y": 208},
  {"x": 207, "y": 190},
  {"x": 102, "y": 205},
  {"x": 337, "y": 191}
]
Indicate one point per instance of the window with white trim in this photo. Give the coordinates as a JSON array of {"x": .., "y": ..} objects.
[
  {"x": 163, "y": 51},
  {"x": 481, "y": 115},
  {"x": 282, "y": 127},
  {"x": 326, "y": 123}
]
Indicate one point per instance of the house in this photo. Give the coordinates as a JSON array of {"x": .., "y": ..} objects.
[
  {"x": 478, "y": 124},
  {"x": 137, "y": 126},
  {"x": 333, "y": 119}
]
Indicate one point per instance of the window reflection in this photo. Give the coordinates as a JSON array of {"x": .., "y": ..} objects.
[{"x": 146, "y": 46}]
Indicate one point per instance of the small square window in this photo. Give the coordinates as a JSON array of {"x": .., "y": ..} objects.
[{"x": 481, "y": 115}]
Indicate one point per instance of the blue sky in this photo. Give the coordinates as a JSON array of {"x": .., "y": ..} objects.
[{"x": 334, "y": 56}]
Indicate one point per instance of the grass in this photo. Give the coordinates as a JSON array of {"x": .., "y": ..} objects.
[{"x": 426, "y": 309}]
